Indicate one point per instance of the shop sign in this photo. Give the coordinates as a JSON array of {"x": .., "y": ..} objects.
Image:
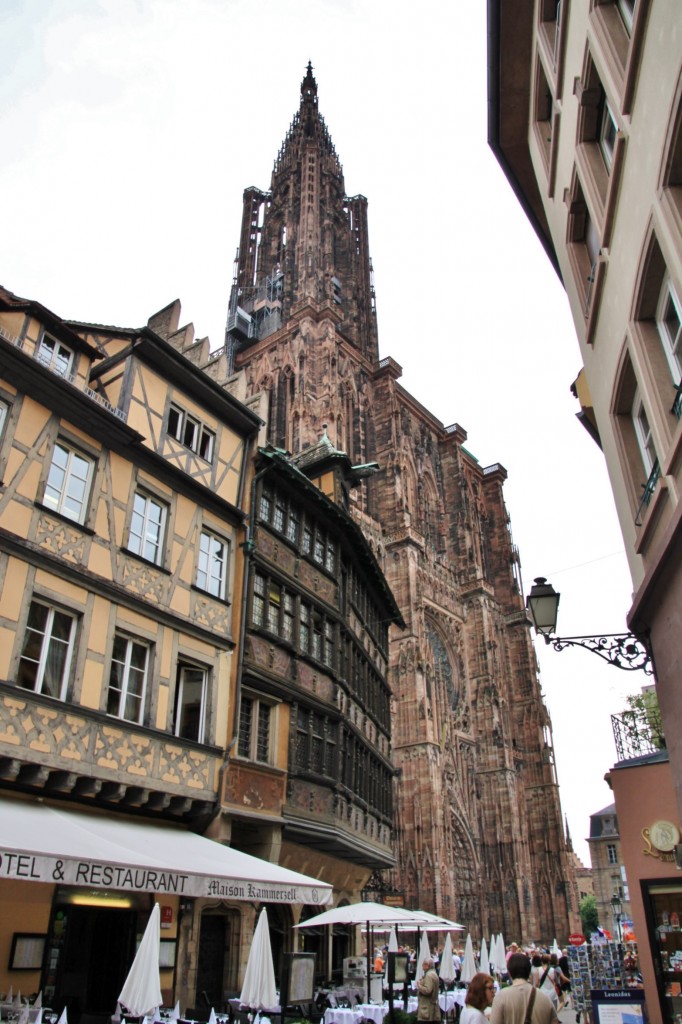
[
  {"x": 660, "y": 840},
  {"x": 131, "y": 878}
]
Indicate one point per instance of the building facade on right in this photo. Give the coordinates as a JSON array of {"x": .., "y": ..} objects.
[{"x": 585, "y": 116}]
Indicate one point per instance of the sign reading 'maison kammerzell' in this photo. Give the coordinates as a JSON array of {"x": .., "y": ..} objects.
[{"x": 129, "y": 878}]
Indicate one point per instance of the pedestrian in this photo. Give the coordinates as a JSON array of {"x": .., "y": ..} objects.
[
  {"x": 428, "y": 1008},
  {"x": 544, "y": 977},
  {"x": 564, "y": 980},
  {"x": 520, "y": 1002},
  {"x": 479, "y": 997}
]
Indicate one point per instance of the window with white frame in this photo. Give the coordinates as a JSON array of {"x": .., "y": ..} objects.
[
  {"x": 189, "y": 720},
  {"x": 147, "y": 528},
  {"x": 128, "y": 678},
  {"x": 4, "y": 412},
  {"x": 54, "y": 355},
  {"x": 68, "y": 482},
  {"x": 47, "y": 650},
  {"x": 612, "y": 853},
  {"x": 191, "y": 432},
  {"x": 212, "y": 565},
  {"x": 255, "y": 729},
  {"x": 669, "y": 323},
  {"x": 643, "y": 433}
]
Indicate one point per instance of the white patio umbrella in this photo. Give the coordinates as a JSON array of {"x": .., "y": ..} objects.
[
  {"x": 62, "y": 1019},
  {"x": 468, "y": 963},
  {"x": 259, "y": 991},
  {"x": 484, "y": 963},
  {"x": 555, "y": 948},
  {"x": 447, "y": 964},
  {"x": 392, "y": 948},
  {"x": 141, "y": 992},
  {"x": 424, "y": 954},
  {"x": 501, "y": 954}
]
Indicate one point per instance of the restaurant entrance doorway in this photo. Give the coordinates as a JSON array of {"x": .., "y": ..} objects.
[{"x": 89, "y": 953}]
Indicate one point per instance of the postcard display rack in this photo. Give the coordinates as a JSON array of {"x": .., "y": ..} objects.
[{"x": 595, "y": 967}]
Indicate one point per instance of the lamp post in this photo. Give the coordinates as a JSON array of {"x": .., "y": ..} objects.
[
  {"x": 622, "y": 650},
  {"x": 617, "y": 910}
]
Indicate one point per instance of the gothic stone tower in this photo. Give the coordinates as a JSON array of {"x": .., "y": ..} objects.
[{"x": 478, "y": 828}]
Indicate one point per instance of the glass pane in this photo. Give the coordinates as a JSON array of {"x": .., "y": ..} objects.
[
  {"x": 263, "y": 744},
  {"x": 245, "y": 723},
  {"x": 189, "y": 716}
]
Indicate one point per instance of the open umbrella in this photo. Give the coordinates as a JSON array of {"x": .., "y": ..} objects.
[
  {"x": 141, "y": 992},
  {"x": 484, "y": 963},
  {"x": 447, "y": 964},
  {"x": 259, "y": 991},
  {"x": 468, "y": 963}
]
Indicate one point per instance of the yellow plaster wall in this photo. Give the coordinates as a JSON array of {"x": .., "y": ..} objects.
[{"x": 25, "y": 908}]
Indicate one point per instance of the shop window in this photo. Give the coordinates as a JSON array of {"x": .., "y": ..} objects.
[
  {"x": 147, "y": 528},
  {"x": 190, "y": 714},
  {"x": 128, "y": 679},
  {"x": 212, "y": 565},
  {"x": 47, "y": 651},
  {"x": 68, "y": 482}
]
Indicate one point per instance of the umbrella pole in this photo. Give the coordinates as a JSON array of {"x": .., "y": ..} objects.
[{"x": 369, "y": 962}]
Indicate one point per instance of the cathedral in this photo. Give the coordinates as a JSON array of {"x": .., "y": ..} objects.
[{"x": 478, "y": 833}]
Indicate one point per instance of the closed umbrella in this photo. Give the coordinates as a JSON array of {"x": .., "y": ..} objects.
[
  {"x": 424, "y": 954},
  {"x": 392, "y": 948},
  {"x": 447, "y": 964},
  {"x": 555, "y": 949},
  {"x": 484, "y": 963},
  {"x": 141, "y": 992},
  {"x": 502, "y": 954},
  {"x": 468, "y": 963},
  {"x": 259, "y": 991}
]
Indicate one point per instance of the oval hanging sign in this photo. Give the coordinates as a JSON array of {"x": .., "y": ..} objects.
[{"x": 576, "y": 939}]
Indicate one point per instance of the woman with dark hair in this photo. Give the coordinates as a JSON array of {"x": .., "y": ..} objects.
[
  {"x": 479, "y": 997},
  {"x": 544, "y": 977}
]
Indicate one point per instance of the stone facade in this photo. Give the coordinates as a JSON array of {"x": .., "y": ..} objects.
[{"x": 478, "y": 830}]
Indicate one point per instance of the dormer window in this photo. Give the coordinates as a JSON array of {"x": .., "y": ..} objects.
[
  {"x": 55, "y": 355},
  {"x": 191, "y": 433}
]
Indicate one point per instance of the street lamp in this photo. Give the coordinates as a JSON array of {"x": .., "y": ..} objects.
[
  {"x": 617, "y": 909},
  {"x": 623, "y": 650}
]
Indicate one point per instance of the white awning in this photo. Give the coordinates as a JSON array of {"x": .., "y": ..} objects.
[{"x": 39, "y": 843}]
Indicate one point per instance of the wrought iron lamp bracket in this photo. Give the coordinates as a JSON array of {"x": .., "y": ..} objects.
[{"x": 622, "y": 650}]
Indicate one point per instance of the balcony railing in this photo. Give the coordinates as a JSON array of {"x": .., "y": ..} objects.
[
  {"x": 638, "y": 732},
  {"x": 649, "y": 488}
]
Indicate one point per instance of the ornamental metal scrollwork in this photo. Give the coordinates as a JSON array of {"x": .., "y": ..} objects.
[{"x": 623, "y": 650}]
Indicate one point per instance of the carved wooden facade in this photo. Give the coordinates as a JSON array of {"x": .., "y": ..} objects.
[{"x": 478, "y": 828}]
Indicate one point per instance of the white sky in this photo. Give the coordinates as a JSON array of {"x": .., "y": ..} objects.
[{"x": 130, "y": 129}]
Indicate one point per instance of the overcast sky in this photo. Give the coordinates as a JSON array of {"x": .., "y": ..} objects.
[{"x": 130, "y": 129}]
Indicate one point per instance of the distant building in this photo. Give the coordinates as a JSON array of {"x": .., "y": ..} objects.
[{"x": 608, "y": 868}]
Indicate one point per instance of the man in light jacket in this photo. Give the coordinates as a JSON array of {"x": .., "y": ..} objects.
[{"x": 511, "y": 1003}]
